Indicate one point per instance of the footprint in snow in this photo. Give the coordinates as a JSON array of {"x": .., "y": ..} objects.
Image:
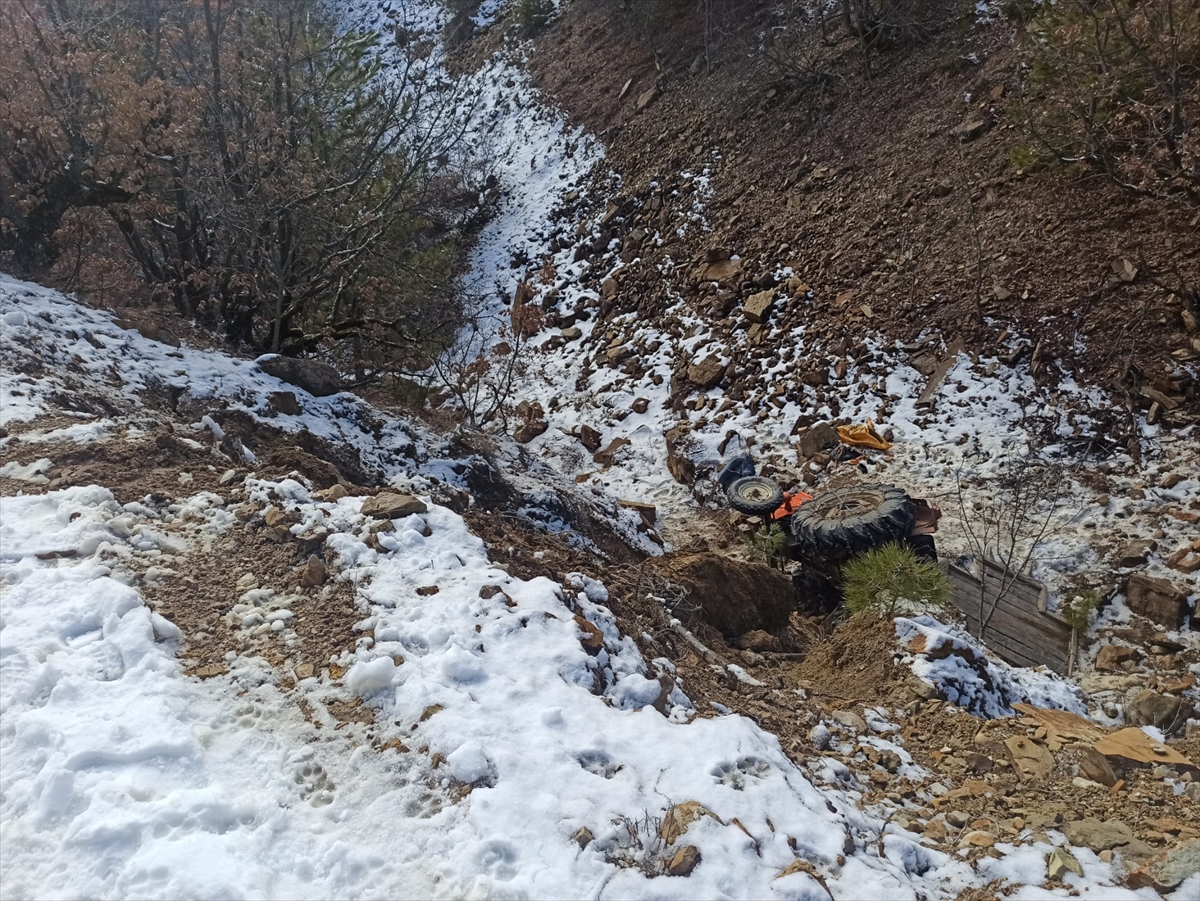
[
  {"x": 315, "y": 785},
  {"x": 599, "y": 763},
  {"x": 735, "y": 774},
  {"x": 424, "y": 806}
]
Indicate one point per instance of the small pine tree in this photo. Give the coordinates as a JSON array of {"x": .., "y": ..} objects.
[
  {"x": 766, "y": 544},
  {"x": 892, "y": 580}
]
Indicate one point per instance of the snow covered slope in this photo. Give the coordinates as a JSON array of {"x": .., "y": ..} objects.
[{"x": 507, "y": 715}]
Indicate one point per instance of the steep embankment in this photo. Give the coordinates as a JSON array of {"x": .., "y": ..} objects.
[{"x": 223, "y": 679}]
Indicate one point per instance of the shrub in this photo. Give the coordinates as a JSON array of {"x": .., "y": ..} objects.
[
  {"x": 766, "y": 544},
  {"x": 892, "y": 580},
  {"x": 534, "y": 14},
  {"x": 1077, "y": 612},
  {"x": 266, "y": 172},
  {"x": 1115, "y": 86}
]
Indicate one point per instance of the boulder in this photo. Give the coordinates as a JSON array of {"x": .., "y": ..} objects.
[
  {"x": 1149, "y": 708},
  {"x": 530, "y": 430},
  {"x": 707, "y": 373},
  {"x": 1135, "y": 553},
  {"x": 850, "y": 720},
  {"x": 1031, "y": 759},
  {"x": 819, "y": 438},
  {"x": 589, "y": 438},
  {"x": 1156, "y": 599},
  {"x": 312, "y": 573},
  {"x": 1111, "y": 656},
  {"x": 1167, "y": 871},
  {"x": 317, "y": 378},
  {"x": 321, "y": 473},
  {"x": 758, "y": 306},
  {"x": 392, "y": 505},
  {"x": 1095, "y": 766},
  {"x": 1133, "y": 747},
  {"x": 1098, "y": 835}
]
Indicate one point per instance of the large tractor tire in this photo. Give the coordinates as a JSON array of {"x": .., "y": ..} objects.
[
  {"x": 754, "y": 496},
  {"x": 839, "y": 524},
  {"x": 816, "y": 593}
]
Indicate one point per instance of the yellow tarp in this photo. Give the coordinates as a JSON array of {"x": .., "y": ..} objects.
[{"x": 863, "y": 436}]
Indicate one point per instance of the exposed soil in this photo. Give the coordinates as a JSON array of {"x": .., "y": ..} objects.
[{"x": 858, "y": 184}]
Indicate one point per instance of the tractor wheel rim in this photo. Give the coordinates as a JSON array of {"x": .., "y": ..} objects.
[
  {"x": 755, "y": 492},
  {"x": 844, "y": 505}
]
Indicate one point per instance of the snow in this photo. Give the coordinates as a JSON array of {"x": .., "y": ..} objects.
[
  {"x": 496, "y": 735},
  {"x": 965, "y": 674}
]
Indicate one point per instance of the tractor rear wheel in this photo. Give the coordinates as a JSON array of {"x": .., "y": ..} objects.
[{"x": 838, "y": 524}]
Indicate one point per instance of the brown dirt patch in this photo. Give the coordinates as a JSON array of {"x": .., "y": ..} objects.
[
  {"x": 199, "y": 594},
  {"x": 854, "y": 663},
  {"x": 731, "y": 597}
]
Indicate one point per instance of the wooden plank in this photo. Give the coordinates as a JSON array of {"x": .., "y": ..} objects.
[
  {"x": 1018, "y": 631},
  {"x": 1007, "y": 645},
  {"x": 1047, "y": 630},
  {"x": 1004, "y": 621},
  {"x": 1016, "y": 649},
  {"x": 1033, "y": 619},
  {"x": 939, "y": 374}
]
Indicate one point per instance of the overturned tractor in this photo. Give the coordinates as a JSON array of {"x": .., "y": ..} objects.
[{"x": 824, "y": 532}]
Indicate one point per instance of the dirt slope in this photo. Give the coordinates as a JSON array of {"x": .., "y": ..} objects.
[{"x": 862, "y": 186}]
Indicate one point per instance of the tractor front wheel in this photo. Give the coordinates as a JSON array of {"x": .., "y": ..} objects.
[{"x": 754, "y": 496}]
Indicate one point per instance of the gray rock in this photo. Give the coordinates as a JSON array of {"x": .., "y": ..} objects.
[
  {"x": 1098, "y": 835},
  {"x": 1061, "y": 862},
  {"x": 957, "y": 818},
  {"x": 970, "y": 130},
  {"x": 1168, "y": 870},
  {"x": 317, "y": 378},
  {"x": 819, "y": 438},
  {"x": 1164, "y": 712},
  {"x": 820, "y": 737}
]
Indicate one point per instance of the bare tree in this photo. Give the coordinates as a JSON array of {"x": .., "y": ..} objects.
[{"x": 1007, "y": 526}]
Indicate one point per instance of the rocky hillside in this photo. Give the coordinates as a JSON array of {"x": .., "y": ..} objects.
[{"x": 263, "y": 637}]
